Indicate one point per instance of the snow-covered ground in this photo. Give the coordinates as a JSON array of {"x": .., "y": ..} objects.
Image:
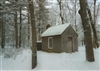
[
  {"x": 51, "y": 61},
  {"x": 20, "y": 62},
  {"x": 67, "y": 61}
]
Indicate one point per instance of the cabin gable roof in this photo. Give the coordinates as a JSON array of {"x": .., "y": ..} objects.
[{"x": 56, "y": 30}]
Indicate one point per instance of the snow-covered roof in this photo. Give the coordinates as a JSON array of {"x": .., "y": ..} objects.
[{"x": 55, "y": 30}]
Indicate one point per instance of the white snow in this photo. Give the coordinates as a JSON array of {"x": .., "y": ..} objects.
[
  {"x": 55, "y": 30},
  {"x": 67, "y": 61},
  {"x": 52, "y": 61},
  {"x": 7, "y": 2},
  {"x": 20, "y": 62},
  {"x": 39, "y": 41}
]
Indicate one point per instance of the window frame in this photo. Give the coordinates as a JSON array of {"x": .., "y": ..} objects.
[{"x": 49, "y": 47}]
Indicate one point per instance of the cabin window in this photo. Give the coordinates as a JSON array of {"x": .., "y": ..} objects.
[{"x": 50, "y": 43}]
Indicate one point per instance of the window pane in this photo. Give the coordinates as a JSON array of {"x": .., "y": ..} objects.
[{"x": 50, "y": 43}]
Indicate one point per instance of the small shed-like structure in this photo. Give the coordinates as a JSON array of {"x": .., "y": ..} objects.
[{"x": 60, "y": 38}]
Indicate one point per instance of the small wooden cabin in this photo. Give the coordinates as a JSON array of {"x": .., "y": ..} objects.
[{"x": 61, "y": 38}]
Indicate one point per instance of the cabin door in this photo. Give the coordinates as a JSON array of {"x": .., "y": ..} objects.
[{"x": 70, "y": 44}]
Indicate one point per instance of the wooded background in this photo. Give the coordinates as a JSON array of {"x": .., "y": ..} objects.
[{"x": 23, "y": 21}]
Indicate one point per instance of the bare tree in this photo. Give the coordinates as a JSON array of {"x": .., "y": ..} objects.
[
  {"x": 3, "y": 34},
  {"x": 94, "y": 18},
  {"x": 33, "y": 29},
  {"x": 95, "y": 38},
  {"x": 95, "y": 11},
  {"x": 20, "y": 30},
  {"x": 75, "y": 15},
  {"x": 75, "y": 12},
  {"x": 87, "y": 30},
  {"x": 16, "y": 26},
  {"x": 2, "y": 24},
  {"x": 16, "y": 29},
  {"x": 61, "y": 10},
  {"x": 28, "y": 27},
  {"x": 41, "y": 15}
]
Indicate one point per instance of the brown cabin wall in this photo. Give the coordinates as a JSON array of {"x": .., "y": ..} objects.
[
  {"x": 69, "y": 32},
  {"x": 75, "y": 40},
  {"x": 56, "y": 44},
  {"x": 44, "y": 43}
]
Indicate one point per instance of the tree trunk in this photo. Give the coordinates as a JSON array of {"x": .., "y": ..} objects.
[
  {"x": 75, "y": 16},
  {"x": 2, "y": 29},
  {"x": 0, "y": 32},
  {"x": 95, "y": 38},
  {"x": 87, "y": 30},
  {"x": 3, "y": 34},
  {"x": 39, "y": 30},
  {"x": 20, "y": 28},
  {"x": 28, "y": 30},
  {"x": 33, "y": 28},
  {"x": 16, "y": 31},
  {"x": 95, "y": 12},
  {"x": 60, "y": 7}
]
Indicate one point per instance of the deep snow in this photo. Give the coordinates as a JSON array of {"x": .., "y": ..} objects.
[{"x": 51, "y": 61}]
